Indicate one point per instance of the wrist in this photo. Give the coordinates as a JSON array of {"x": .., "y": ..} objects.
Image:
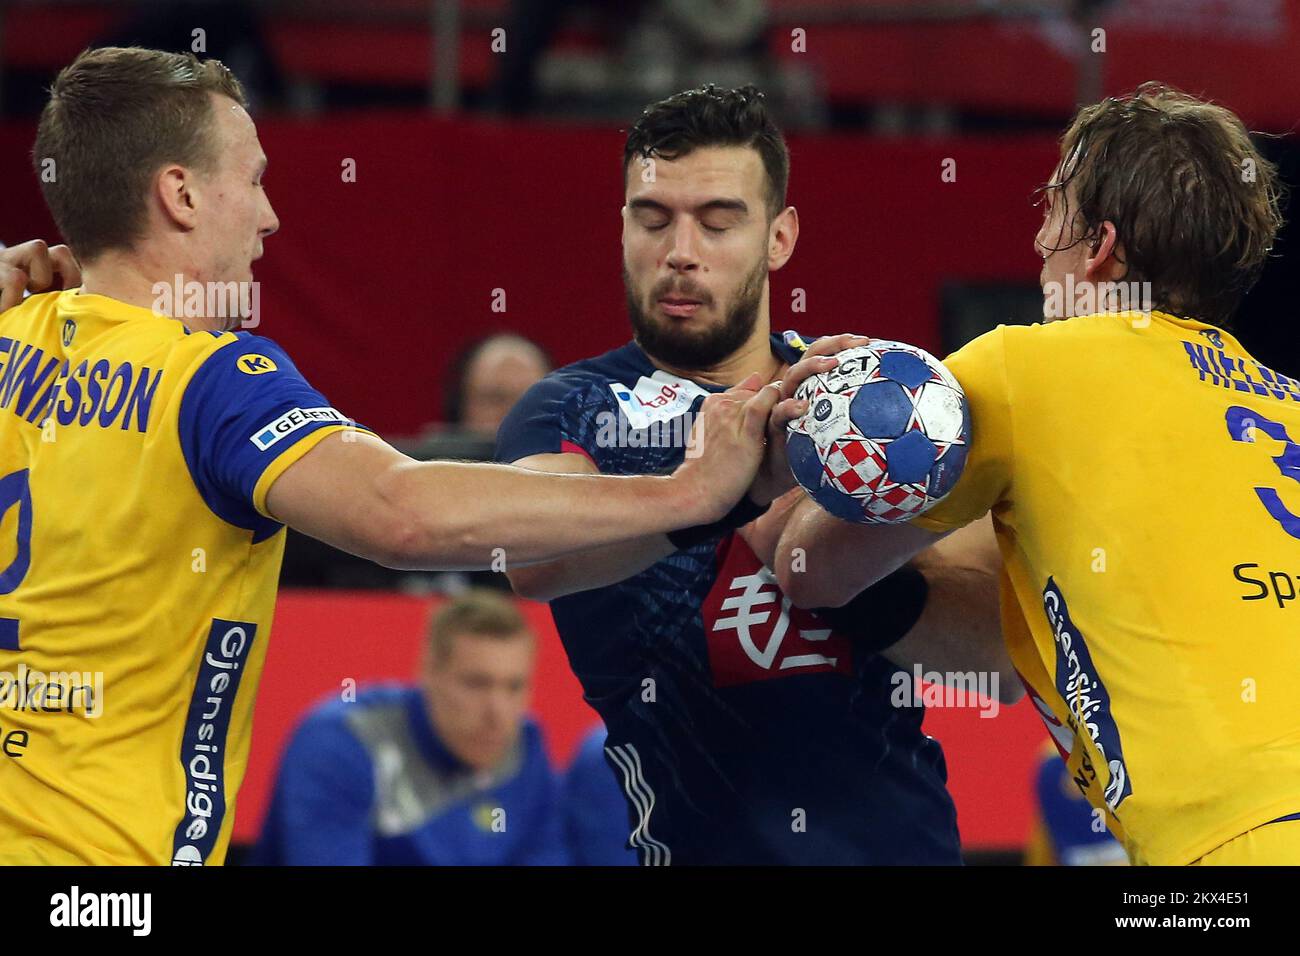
[
  {"x": 740, "y": 515},
  {"x": 686, "y": 502}
]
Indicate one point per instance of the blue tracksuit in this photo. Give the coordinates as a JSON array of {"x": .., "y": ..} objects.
[
  {"x": 369, "y": 783},
  {"x": 595, "y": 812}
]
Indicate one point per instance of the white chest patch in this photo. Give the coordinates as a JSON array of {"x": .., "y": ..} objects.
[{"x": 659, "y": 398}]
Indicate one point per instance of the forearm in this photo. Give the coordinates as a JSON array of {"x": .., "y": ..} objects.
[
  {"x": 960, "y": 630},
  {"x": 465, "y": 516},
  {"x": 821, "y": 561},
  {"x": 596, "y": 568}
]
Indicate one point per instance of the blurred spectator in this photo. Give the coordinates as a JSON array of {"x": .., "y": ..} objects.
[
  {"x": 483, "y": 384},
  {"x": 449, "y": 771},
  {"x": 596, "y": 819},
  {"x": 1066, "y": 831},
  {"x": 488, "y": 377}
]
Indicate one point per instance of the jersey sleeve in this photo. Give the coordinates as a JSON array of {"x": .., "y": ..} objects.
[
  {"x": 549, "y": 419},
  {"x": 247, "y": 414},
  {"x": 981, "y": 368}
]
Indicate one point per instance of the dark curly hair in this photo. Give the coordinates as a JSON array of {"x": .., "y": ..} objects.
[{"x": 712, "y": 116}]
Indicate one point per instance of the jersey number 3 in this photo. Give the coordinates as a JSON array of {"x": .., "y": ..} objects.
[{"x": 1242, "y": 426}]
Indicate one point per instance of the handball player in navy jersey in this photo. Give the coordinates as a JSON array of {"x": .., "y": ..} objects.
[{"x": 741, "y": 730}]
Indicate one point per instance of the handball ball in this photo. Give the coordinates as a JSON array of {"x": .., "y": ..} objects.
[{"x": 885, "y": 436}]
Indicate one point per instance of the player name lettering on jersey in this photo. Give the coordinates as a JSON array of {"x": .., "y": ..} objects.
[
  {"x": 99, "y": 392},
  {"x": 28, "y": 378},
  {"x": 104, "y": 394},
  {"x": 1219, "y": 368}
]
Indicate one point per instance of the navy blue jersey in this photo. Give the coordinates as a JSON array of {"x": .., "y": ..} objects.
[{"x": 743, "y": 730}]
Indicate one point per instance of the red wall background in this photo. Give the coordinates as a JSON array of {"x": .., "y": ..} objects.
[
  {"x": 372, "y": 285},
  {"x": 321, "y": 638}
]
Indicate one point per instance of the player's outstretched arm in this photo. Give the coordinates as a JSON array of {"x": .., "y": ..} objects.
[
  {"x": 959, "y": 628},
  {"x": 357, "y": 493},
  {"x": 601, "y": 567},
  {"x": 595, "y": 568}
]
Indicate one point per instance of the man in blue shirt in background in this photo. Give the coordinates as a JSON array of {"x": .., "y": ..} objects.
[
  {"x": 446, "y": 772},
  {"x": 595, "y": 812}
]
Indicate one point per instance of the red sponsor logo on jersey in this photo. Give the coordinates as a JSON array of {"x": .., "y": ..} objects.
[{"x": 754, "y": 633}]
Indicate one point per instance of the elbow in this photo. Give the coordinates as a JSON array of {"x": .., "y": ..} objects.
[
  {"x": 1010, "y": 689},
  {"x": 396, "y": 534},
  {"x": 533, "y": 584},
  {"x": 406, "y": 543},
  {"x": 810, "y": 590},
  {"x": 396, "y": 544}
]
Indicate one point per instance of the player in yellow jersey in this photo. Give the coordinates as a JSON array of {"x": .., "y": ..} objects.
[
  {"x": 149, "y": 462},
  {"x": 1141, "y": 469}
]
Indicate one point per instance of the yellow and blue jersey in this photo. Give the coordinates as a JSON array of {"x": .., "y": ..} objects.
[
  {"x": 138, "y": 570},
  {"x": 1139, "y": 469}
]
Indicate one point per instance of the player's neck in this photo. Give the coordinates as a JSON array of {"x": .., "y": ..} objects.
[
  {"x": 754, "y": 356},
  {"x": 136, "y": 280}
]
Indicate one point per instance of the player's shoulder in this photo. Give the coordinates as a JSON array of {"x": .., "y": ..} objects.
[
  {"x": 1007, "y": 344},
  {"x": 790, "y": 345},
  {"x": 232, "y": 362},
  {"x": 243, "y": 351},
  {"x": 40, "y": 305},
  {"x": 1065, "y": 333},
  {"x": 624, "y": 365}
]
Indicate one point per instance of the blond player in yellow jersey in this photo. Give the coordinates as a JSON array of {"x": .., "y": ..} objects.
[
  {"x": 1143, "y": 473},
  {"x": 149, "y": 463}
]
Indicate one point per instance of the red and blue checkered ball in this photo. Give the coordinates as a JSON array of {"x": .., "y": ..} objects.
[{"x": 885, "y": 436}]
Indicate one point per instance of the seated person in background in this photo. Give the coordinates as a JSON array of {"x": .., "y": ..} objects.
[
  {"x": 487, "y": 379},
  {"x": 596, "y": 820},
  {"x": 1067, "y": 831},
  {"x": 483, "y": 383},
  {"x": 446, "y": 772}
]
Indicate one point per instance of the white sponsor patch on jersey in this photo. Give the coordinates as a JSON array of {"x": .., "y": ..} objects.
[
  {"x": 659, "y": 398},
  {"x": 291, "y": 421}
]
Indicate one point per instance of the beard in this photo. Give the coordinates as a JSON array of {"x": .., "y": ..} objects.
[{"x": 697, "y": 350}]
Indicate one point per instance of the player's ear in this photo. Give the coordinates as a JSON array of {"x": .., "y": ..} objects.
[
  {"x": 782, "y": 234},
  {"x": 1106, "y": 260},
  {"x": 174, "y": 188}
]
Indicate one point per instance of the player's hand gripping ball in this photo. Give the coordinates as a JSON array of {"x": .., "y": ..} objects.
[{"x": 885, "y": 436}]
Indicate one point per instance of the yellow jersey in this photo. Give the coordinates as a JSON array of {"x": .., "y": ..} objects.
[
  {"x": 138, "y": 570},
  {"x": 1139, "y": 469}
]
